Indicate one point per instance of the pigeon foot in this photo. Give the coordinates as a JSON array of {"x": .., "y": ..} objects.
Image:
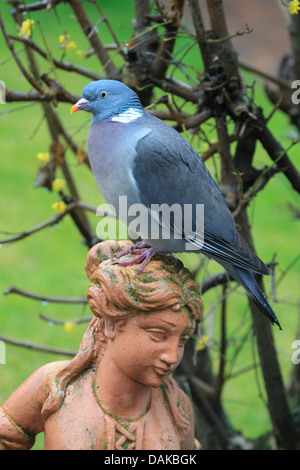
[
  {"x": 145, "y": 253},
  {"x": 137, "y": 248}
]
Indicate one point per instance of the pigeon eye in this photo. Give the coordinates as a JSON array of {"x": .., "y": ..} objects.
[{"x": 103, "y": 94}]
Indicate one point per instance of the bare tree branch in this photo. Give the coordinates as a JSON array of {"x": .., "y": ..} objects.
[
  {"x": 37, "y": 347},
  {"x": 278, "y": 154},
  {"x": 19, "y": 63},
  {"x": 60, "y": 64},
  {"x": 63, "y": 322},
  {"x": 200, "y": 33},
  {"x": 92, "y": 36},
  {"x": 54, "y": 220},
  {"x": 36, "y": 6},
  {"x": 271, "y": 78},
  {"x": 45, "y": 298}
]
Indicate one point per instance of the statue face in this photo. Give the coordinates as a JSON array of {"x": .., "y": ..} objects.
[{"x": 148, "y": 347}]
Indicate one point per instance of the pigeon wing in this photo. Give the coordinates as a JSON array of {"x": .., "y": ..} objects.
[{"x": 167, "y": 170}]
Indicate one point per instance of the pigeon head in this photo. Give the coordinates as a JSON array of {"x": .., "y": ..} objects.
[{"x": 106, "y": 99}]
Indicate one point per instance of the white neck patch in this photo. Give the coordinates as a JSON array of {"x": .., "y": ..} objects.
[{"x": 127, "y": 116}]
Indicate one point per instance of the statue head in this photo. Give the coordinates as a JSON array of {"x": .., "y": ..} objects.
[
  {"x": 148, "y": 317},
  {"x": 117, "y": 292}
]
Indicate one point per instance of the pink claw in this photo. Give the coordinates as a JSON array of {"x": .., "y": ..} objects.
[{"x": 145, "y": 254}]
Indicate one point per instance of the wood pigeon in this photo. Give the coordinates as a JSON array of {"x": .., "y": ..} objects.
[{"x": 138, "y": 156}]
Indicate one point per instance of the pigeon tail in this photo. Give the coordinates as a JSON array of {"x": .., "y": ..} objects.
[{"x": 247, "y": 280}]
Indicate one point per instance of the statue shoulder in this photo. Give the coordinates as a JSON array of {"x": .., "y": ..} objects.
[
  {"x": 20, "y": 415},
  {"x": 45, "y": 376}
]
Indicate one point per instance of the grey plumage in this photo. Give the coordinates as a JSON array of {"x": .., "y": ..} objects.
[{"x": 136, "y": 155}]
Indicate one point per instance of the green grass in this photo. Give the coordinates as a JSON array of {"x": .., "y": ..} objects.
[{"x": 52, "y": 261}]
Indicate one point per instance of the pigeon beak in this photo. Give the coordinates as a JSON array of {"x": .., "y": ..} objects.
[{"x": 79, "y": 105}]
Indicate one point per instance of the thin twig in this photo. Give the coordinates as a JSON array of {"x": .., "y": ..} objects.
[
  {"x": 166, "y": 47},
  {"x": 263, "y": 178},
  {"x": 172, "y": 87},
  {"x": 229, "y": 184},
  {"x": 200, "y": 33},
  {"x": 271, "y": 78},
  {"x": 63, "y": 322},
  {"x": 45, "y": 298},
  {"x": 15, "y": 95},
  {"x": 93, "y": 38},
  {"x": 10, "y": 46},
  {"x": 40, "y": 5},
  {"x": 104, "y": 18},
  {"x": 55, "y": 219},
  {"x": 67, "y": 66},
  {"x": 272, "y": 267},
  {"x": 220, "y": 379},
  {"x": 231, "y": 36},
  {"x": 37, "y": 347},
  {"x": 214, "y": 280},
  {"x": 278, "y": 154}
]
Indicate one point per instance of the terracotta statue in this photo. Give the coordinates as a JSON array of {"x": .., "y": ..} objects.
[{"x": 116, "y": 393}]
